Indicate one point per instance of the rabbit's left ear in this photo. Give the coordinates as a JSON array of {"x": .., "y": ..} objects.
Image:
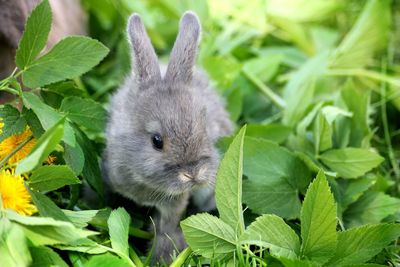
[{"x": 183, "y": 55}]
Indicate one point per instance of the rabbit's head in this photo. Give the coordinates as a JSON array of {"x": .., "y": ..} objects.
[{"x": 169, "y": 148}]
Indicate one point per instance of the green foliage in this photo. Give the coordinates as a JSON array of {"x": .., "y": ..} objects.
[{"x": 316, "y": 82}]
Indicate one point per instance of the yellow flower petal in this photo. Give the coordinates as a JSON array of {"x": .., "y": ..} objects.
[
  {"x": 12, "y": 142},
  {"x": 14, "y": 195}
]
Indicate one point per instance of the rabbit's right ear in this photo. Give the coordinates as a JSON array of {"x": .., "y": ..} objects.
[{"x": 145, "y": 63}]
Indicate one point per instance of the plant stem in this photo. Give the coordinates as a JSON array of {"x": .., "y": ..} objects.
[
  {"x": 180, "y": 260},
  {"x": 3, "y": 161},
  {"x": 140, "y": 233},
  {"x": 276, "y": 99},
  {"x": 364, "y": 73},
  {"x": 135, "y": 258}
]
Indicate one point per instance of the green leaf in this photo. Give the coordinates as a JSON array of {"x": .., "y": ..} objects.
[
  {"x": 318, "y": 221},
  {"x": 354, "y": 189},
  {"x": 49, "y": 178},
  {"x": 85, "y": 112},
  {"x": 84, "y": 245},
  {"x": 46, "y": 257},
  {"x": 68, "y": 59},
  {"x": 271, "y": 231},
  {"x": 322, "y": 134},
  {"x": 209, "y": 236},
  {"x": 288, "y": 262},
  {"x": 228, "y": 188},
  {"x": 358, "y": 245},
  {"x": 13, "y": 247},
  {"x": 48, "y": 116},
  {"x": 35, "y": 35},
  {"x": 368, "y": 34},
  {"x": 105, "y": 260},
  {"x": 47, "y": 231},
  {"x": 80, "y": 218},
  {"x": 351, "y": 162},
  {"x": 118, "y": 227},
  {"x": 46, "y": 143},
  {"x": 46, "y": 206},
  {"x": 273, "y": 132},
  {"x": 275, "y": 177},
  {"x": 357, "y": 101},
  {"x": 372, "y": 207},
  {"x": 13, "y": 122},
  {"x": 74, "y": 157},
  {"x": 264, "y": 67}
]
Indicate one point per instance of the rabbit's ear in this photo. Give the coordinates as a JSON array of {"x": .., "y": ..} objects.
[
  {"x": 145, "y": 63},
  {"x": 183, "y": 55}
]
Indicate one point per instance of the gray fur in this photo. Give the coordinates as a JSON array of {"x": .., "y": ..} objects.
[{"x": 188, "y": 114}]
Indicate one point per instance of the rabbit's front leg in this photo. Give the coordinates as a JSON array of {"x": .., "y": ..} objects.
[{"x": 169, "y": 235}]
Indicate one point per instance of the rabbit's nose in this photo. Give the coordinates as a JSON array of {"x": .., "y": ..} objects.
[{"x": 185, "y": 177}]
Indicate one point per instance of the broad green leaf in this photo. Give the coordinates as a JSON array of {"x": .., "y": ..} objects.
[
  {"x": 46, "y": 143},
  {"x": 35, "y": 34},
  {"x": 74, "y": 157},
  {"x": 369, "y": 33},
  {"x": 69, "y": 58},
  {"x": 264, "y": 67},
  {"x": 84, "y": 245},
  {"x": 318, "y": 221},
  {"x": 91, "y": 170},
  {"x": 46, "y": 257},
  {"x": 47, "y": 231},
  {"x": 372, "y": 207},
  {"x": 217, "y": 66},
  {"x": 299, "y": 91},
  {"x": 209, "y": 236},
  {"x": 354, "y": 189},
  {"x": 289, "y": 262},
  {"x": 12, "y": 120},
  {"x": 358, "y": 245},
  {"x": 48, "y": 178},
  {"x": 46, "y": 206},
  {"x": 48, "y": 116},
  {"x": 234, "y": 103},
  {"x": 270, "y": 231},
  {"x": 118, "y": 227},
  {"x": 85, "y": 112},
  {"x": 106, "y": 260},
  {"x": 13, "y": 246},
  {"x": 80, "y": 218},
  {"x": 357, "y": 101},
  {"x": 275, "y": 177},
  {"x": 273, "y": 132},
  {"x": 228, "y": 188},
  {"x": 322, "y": 134},
  {"x": 351, "y": 162}
]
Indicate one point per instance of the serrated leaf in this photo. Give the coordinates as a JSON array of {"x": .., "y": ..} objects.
[
  {"x": 358, "y": 245},
  {"x": 209, "y": 236},
  {"x": 48, "y": 116},
  {"x": 368, "y": 34},
  {"x": 74, "y": 157},
  {"x": 13, "y": 122},
  {"x": 85, "y": 112},
  {"x": 69, "y": 58},
  {"x": 228, "y": 189},
  {"x": 46, "y": 143},
  {"x": 372, "y": 207},
  {"x": 275, "y": 177},
  {"x": 46, "y": 207},
  {"x": 35, "y": 34},
  {"x": 351, "y": 162},
  {"x": 288, "y": 262},
  {"x": 271, "y": 231},
  {"x": 318, "y": 221},
  {"x": 47, "y": 231},
  {"x": 48, "y": 178},
  {"x": 118, "y": 227}
]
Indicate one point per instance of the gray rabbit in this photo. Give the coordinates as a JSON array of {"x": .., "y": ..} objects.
[{"x": 161, "y": 133}]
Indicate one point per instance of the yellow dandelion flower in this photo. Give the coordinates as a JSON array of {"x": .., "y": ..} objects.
[
  {"x": 14, "y": 195},
  {"x": 12, "y": 142}
]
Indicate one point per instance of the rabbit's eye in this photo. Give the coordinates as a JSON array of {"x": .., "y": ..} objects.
[{"x": 157, "y": 141}]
